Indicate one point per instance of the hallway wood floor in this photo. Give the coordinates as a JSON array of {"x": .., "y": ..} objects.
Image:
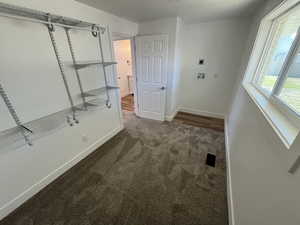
[
  {"x": 128, "y": 103},
  {"x": 200, "y": 121}
]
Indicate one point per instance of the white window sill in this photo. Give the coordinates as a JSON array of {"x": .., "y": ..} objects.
[{"x": 283, "y": 127}]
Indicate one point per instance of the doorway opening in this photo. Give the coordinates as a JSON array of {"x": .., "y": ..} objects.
[{"x": 124, "y": 58}]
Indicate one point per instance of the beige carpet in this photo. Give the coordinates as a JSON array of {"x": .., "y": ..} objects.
[{"x": 152, "y": 173}]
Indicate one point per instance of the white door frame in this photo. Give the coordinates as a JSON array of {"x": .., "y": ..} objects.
[{"x": 120, "y": 37}]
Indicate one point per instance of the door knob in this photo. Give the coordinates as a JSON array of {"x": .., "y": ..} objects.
[{"x": 163, "y": 88}]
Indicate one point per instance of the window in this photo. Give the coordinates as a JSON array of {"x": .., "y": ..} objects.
[
  {"x": 278, "y": 73},
  {"x": 289, "y": 88},
  {"x": 272, "y": 78},
  {"x": 282, "y": 38}
]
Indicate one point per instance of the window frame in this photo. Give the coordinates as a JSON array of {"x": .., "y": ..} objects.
[
  {"x": 273, "y": 96},
  {"x": 263, "y": 57},
  {"x": 282, "y": 119}
]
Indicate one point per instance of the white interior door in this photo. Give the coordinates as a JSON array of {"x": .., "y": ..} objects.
[{"x": 151, "y": 62}]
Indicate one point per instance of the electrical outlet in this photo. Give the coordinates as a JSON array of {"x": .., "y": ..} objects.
[{"x": 84, "y": 138}]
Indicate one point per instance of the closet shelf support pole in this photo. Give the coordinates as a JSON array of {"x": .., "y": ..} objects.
[
  {"x": 62, "y": 71},
  {"x": 108, "y": 102},
  {"x": 67, "y": 30}
]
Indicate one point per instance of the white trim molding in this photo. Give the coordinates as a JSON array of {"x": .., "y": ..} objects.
[
  {"x": 34, "y": 189},
  {"x": 231, "y": 218},
  {"x": 283, "y": 127},
  {"x": 172, "y": 115}
]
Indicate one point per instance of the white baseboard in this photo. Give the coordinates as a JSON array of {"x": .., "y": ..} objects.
[
  {"x": 231, "y": 217},
  {"x": 34, "y": 189},
  {"x": 201, "y": 113},
  {"x": 171, "y": 117}
]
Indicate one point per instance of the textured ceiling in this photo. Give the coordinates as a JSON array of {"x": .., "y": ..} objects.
[{"x": 190, "y": 10}]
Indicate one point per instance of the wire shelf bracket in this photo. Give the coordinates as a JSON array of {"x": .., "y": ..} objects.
[
  {"x": 67, "y": 30},
  {"x": 51, "y": 31},
  {"x": 23, "y": 129},
  {"x": 108, "y": 102}
]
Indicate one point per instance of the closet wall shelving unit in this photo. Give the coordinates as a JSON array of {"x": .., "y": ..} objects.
[{"x": 40, "y": 127}]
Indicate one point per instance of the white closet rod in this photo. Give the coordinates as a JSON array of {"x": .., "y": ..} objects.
[{"x": 102, "y": 29}]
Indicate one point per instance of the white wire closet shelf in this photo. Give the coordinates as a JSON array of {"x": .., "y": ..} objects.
[
  {"x": 98, "y": 91},
  {"x": 41, "y": 127},
  {"x": 98, "y": 102},
  {"x": 12, "y": 138},
  {"x": 83, "y": 64}
]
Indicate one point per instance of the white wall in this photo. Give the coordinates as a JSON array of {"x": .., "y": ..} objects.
[
  {"x": 220, "y": 44},
  {"x": 263, "y": 192},
  {"x": 177, "y": 67},
  {"x": 166, "y": 26},
  {"x": 25, "y": 73}
]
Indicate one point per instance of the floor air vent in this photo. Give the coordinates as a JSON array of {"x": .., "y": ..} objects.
[{"x": 211, "y": 160}]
